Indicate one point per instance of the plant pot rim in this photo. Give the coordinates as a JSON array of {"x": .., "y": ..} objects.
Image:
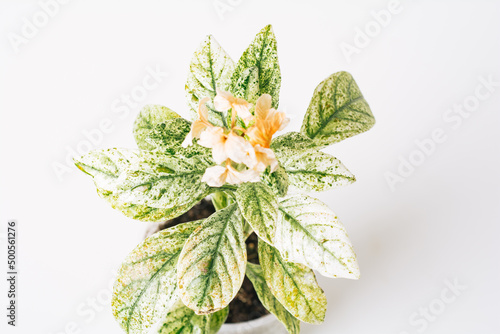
[{"x": 265, "y": 324}]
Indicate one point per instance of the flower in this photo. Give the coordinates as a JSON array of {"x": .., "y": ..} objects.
[
  {"x": 265, "y": 157},
  {"x": 200, "y": 124},
  {"x": 224, "y": 101},
  {"x": 228, "y": 146},
  {"x": 267, "y": 122},
  {"x": 217, "y": 176},
  {"x": 241, "y": 153}
]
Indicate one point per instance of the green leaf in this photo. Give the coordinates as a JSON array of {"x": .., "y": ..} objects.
[
  {"x": 134, "y": 181},
  {"x": 152, "y": 116},
  {"x": 247, "y": 85},
  {"x": 146, "y": 287},
  {"x": 158, "y": 128},
  {"x": 259, "y": 207},
  {"x": 278, "y": 181},
  {"x": 291, "y": 142},
  {"x": 182, "y": 320},
  {"x": 212, "y": 264},
  {"x": 337, "y": 111},
  {"x": 308, "y": 232},
  {"x": 254, "y": 273},
  {"x": 262, "y": 54},
  {"x": 210, "y": 69},
  {"x": 312, "y": 170},
  {"x": 294, "y": 285}
]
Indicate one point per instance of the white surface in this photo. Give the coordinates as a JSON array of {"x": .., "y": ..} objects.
[{"x": 440, "y": 224}]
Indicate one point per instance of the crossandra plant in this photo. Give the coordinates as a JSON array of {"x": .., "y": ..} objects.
[{"x": 184, "y": 277}]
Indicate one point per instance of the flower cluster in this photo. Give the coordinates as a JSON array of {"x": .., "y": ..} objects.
[{"x": 240, "y": 148}]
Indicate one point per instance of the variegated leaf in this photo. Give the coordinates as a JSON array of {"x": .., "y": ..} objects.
[
  {"x": 312, "y": 170},
  {"x": 294, "y": 285},
  {"x": 212, "y": 264},
  {"x": 291, "y": 142},
  {"x": 160, "y": 129},
  {"x": 152, "y": 116},
  {"x": 256, "y": 276},
  {"x": 182, "y": 320},
  {"x": 135, "y": 180},
  {"x": 135, "y": 211},
  {"x": 308, "y": 232},
  {"x": 247, "y": 86},
  {"x": 278, "y": 181},
  {"x": 146, "y": 285},
  {"x": 259, "y": 206},
  {"x": 337, "y": 111},
  {"x": 210, "y": 69},
  {"x": 262, "y": 53}
]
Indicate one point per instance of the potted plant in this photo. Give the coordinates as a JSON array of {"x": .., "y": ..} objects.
[{"x": 184, "y": 277}]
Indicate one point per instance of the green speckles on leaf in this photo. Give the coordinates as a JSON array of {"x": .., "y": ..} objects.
[
  {"x": 146, "y": 284},
  {"x": 210, "y": 69},
  {"x": 278, "y": 181},
  {"x": 254, "y": 273},
  {"x": 247, "y": 85},
  {"x": 291, "y": 142},
  {"x": 294, "y": 285},
  {"x": 212, "y": 264},
  {"x": 308, "y": 232},
  {"x": 147, "y": 185},
  {"x": 262, "y": 53},
  {"x": 312, "y": 170},
  {"x": 149, "y": 117},
  {"x": 337, "y": 111},
  {"x": 259, "y": 206},
  {"x": 182, "y": 320},
  {"x": 158, "y": 128}
]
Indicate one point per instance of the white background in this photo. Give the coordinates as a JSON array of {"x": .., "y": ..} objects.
[{"x": 440, "y": 225}]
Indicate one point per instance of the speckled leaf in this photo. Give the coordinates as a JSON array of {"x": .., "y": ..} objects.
[
  {"x": 212, "y": 264},
  {"x": 308, "y": 232},
  {"x": 291, "y": 142},
  {"x": 160, "y": 129},
  {"x": 337, "y": 111},
  {"x": 247, "y": 85},
  {"x": 210, "y": 69},
  {"x": 254, "y": 273},
  {"x": 150, "y": 117},
  {"x": 312, "y": 170},
  {"x": 182, "y": 320},
  {"x": 138, "y": 212},
  {"x": 278, "y": 181},
  {"x": 139, "y": 180},
  {"x": 262, "y": 54},
  {"x": 259, "y": 207},
  {"x": 294, "y": 285},
  {"x": 146, "y": 283}
]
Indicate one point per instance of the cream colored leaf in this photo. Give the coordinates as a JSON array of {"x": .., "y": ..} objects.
[
  {"x": 308, "y": 232},
  {"x": 337, "y": 111},
  {"x": 210, "y": 69},
  {"x": 212, "y": 264},
  {"x": 146, "y": 287},
  {"x": 182, "y": 320},
  {"x": 254, "y": 273},
  {"x": 294, "y": 285}
]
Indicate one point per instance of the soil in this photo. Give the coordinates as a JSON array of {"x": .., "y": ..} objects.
[{"x": 246, "y": 305}]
